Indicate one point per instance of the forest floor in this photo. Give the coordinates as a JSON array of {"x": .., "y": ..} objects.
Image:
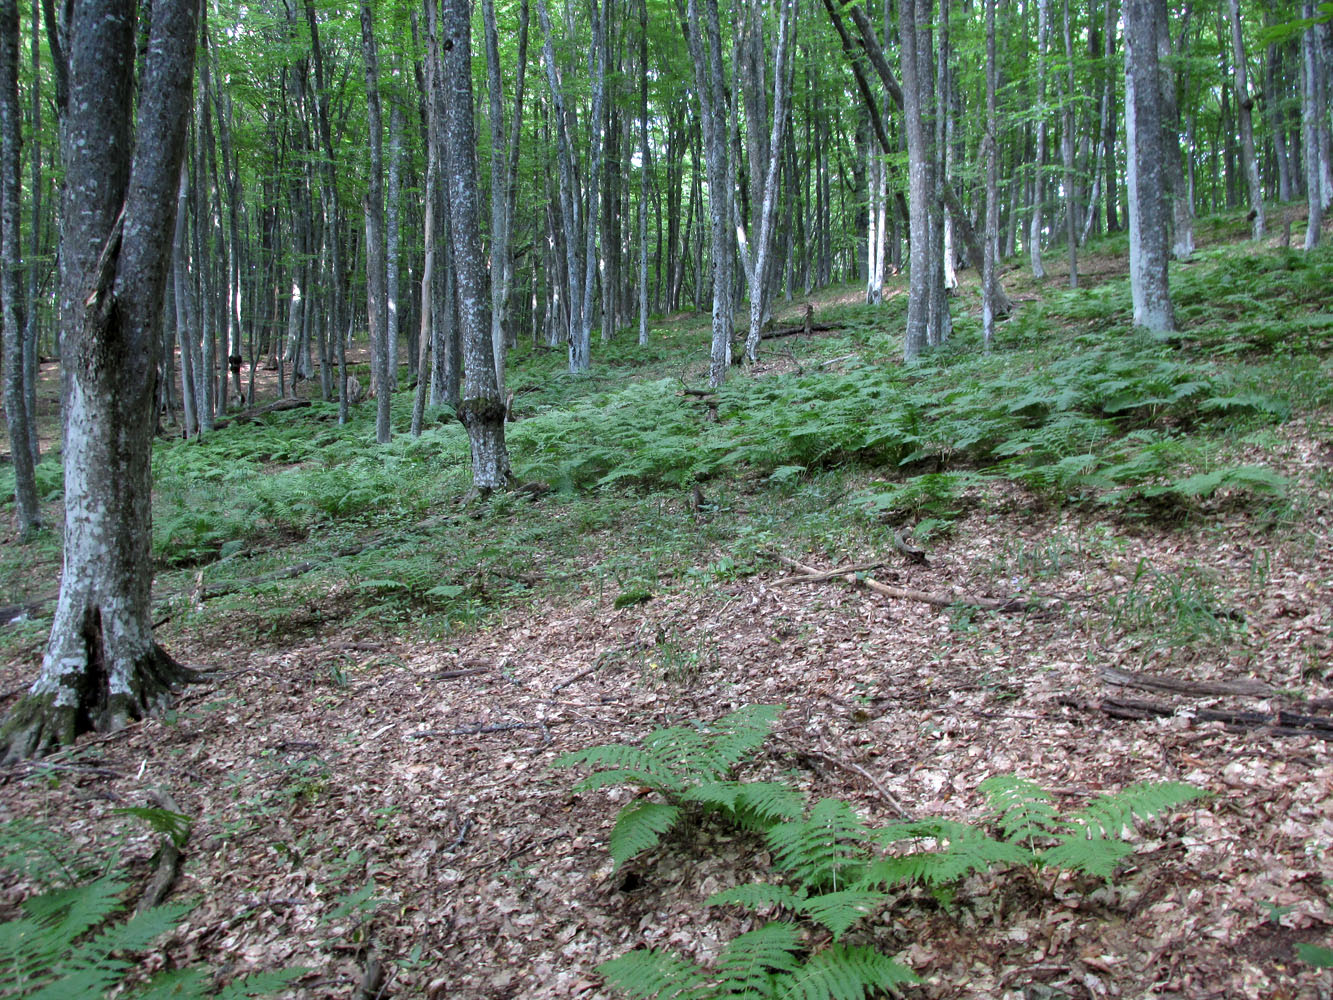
[{"x": 365, "y": 787}]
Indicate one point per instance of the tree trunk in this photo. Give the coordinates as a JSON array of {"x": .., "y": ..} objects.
[
  {"x": 990, "y": 149},
  {"x": 758, "y": 260},
  {"x": 1146, "y": 160},
  {"x": 11, "y": 262},
  {"x": 1039, "y": 161},
  {"x": 482, "y": 410},
  {"x": 1244, "y": 117},
  {"x": 374, "y": 210},
  {"x": 1314, "y": 112},
  {"x": 102, "y": 667},
  {"x": 705, "y": 45}
]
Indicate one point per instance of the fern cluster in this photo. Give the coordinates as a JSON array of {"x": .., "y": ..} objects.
[
  {"x": 74, "y": 940},
  {"x": 836, "y": 872}
]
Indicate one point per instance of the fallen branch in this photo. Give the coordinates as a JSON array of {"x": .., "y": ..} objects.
[
  {"x": 496, "y": 727},
  {"x": 253, "y": 415},
  {"x": 231, "y": 586},
  {"x": 1279, "y": 723},
  {"x": 448, "y": 675},
  {"x": 856, "y": 768},
  {"x": 168, "y": 858},
  {"x": 827, "y": 574},
  {"x": 792, "y": 331},
  {"x": 1151, "y": 682},
  {"x": 903, "y": 594}
]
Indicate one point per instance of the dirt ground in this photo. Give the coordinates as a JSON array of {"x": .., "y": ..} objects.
[{"x": 314, "y": 766}]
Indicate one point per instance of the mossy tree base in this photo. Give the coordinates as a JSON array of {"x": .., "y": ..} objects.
[{"x": 52, "y": 716}]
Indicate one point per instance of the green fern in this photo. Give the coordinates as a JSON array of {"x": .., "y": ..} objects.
[
  {"x": 639, "y": 828},
  {"x": 1091, "y": 841},
  {"x": 69, "y": 943},
  {"x": 764, "y": 964},
  {"x": 1023, "y": 810},
  {"x": 842, "y": 973},
  {"x": 828, "y": 849},
  {"x": 687, "y": 765}
]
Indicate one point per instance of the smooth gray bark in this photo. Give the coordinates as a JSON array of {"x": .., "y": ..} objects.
[
  {"x": 1146, "y": 171},
  {"x": 374, "y": 211},
  {"x": 18, "y": 417},
  {"x": 1245, "y": 119},
  {"x": 482, "y": 410},
  {"x": 1035, "y": 224},
  {"x": 102, "y": 666},
  {"x": 704, "y": 38},
  {"x": 1313, "y": 111}
]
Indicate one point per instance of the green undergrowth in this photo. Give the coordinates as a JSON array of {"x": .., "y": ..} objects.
[
  {"x": 831, "y": 444},
  {"x": 834, "y": 877}
]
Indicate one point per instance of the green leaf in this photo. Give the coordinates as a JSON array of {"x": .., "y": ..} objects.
[
  {"x": 639, "y": 828},
  {"x": 654, "y": 974}
]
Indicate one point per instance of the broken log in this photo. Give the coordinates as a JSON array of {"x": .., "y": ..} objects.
[
  {"x": 1199, "y": 689},
  {"x": 1279, "y": 723}
]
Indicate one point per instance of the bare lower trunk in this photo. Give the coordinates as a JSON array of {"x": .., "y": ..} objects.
[
  {"x": 1147, "y": 203},
  {"x": 482, "y": 411},
  {"x": 102, "y": 667}
]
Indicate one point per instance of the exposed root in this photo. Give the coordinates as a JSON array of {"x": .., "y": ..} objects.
[{"x": 37, "y": 725}]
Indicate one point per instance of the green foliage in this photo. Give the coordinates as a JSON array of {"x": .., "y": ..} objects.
[
  {"x": 72, "y": 943},
  {"x": 838, "y": 871},
  {"x": 771, "y": 962},
  {"x": 684, "y": 764}
]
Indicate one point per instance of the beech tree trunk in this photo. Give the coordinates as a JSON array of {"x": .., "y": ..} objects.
[
  {"x": 1148, "y": 225},
  {"x": 374, "y": 206},
  {"x": 1245, "y": 118},
  {"x": 482, "y": 410},
  {"x": 102, "y": 667},
  {"x": 1313, "y": 112},
  {"x": 1035, "y": 224},
  {"x": 11, "y": 288},
  {"x": 705, "y": 45}
]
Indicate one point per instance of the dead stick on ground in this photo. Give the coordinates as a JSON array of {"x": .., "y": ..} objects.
[
  {"x": 1243, "y": 688},
  {"x": 828, "y": 575},
  {"x": 884, "y": 793},
  {"x": 938, "y": 600},
  {"x": 168, "y": 857}
]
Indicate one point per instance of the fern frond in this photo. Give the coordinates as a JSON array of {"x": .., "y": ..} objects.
[
  {"x": 657, "y": 780},
  {"x": 742, "y": 732},
  {"x": 758, "y": 896},
  {"x": 257, "y": 985},
  {"x": 685, "y": 751},
  {"x": 1022, "y": 808},
  {"x": 838, "y": 911},
  {"x": 825, "y": 849},
  {"x": 652, "y": 973},
  {"x": 1097, "y": 856},
  {"x": 770, "y": 801},
  {"x": 1109, "y": 815},
  {"x": 748, "y": 963},
  {"x": 636, "y": 765},
  {"x": 959, "y": 850},
  {"x": 842, "y": 973},
  {"x": 753, "y": 805},
  {"x": 639, "y": 828}
]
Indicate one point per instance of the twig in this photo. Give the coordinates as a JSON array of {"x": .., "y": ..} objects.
[
  {"x": 827, "y": 575},
  {"x": 168, "y": 858},
  {"x": 577, "y": 677},
  {"x": 496, "y": 727},
  {"x": 938, "y": 600},
  {"x": 462, "y": 835},
  {"x": 449, "y": 675},
  {"x": 884, "y": 793}
]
